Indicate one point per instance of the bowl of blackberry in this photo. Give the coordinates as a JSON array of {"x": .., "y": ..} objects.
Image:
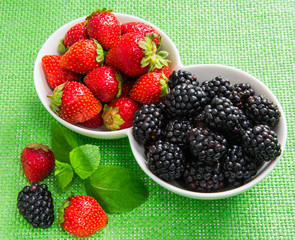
[{"x": 217, "y": 133}]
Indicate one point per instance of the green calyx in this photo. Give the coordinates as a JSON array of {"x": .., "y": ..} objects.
[
  {"x": 98, "y": 11},
  {"x": 111, "y": 118},
  {"x": 153, "y": 57},
  {"x": 61, "y": 210},
  {"x": 62, "y": 48},
  {"x": 99, "y": 52},
  {"x": 120, "y": 81},
  {"x": 164, "y": 88},
  {"x": 56, "y": 98}
]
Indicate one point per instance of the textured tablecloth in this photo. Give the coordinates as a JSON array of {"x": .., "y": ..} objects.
[{"x": 255, "y": 36}]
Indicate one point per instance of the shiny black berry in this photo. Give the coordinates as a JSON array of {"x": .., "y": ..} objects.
[
  {"x": 182, "y": 76},
  {"x": 208, "y": 146},
  {"x": 261, "y": 143},
  {"x": 147, "y": 123},
  {"x": 240, "y": 93},
  {"x": 238, "y": 167},
  {"x": 261, "y": 110},
  {"x": 35, "y": 204},
  {"x": 185, "y": 100},
  {"x": 166, "y": 160},
  {"x": 202, "y": 177},
  {"x": 218, "y": 87}
]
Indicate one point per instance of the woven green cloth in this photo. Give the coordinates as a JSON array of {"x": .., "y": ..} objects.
[{"x": 255, "y": 36}]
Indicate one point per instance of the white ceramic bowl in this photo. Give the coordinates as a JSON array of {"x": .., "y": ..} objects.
[{"x": 203, "y": 72}]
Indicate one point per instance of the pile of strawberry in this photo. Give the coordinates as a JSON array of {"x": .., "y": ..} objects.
[{"x": 106, "y": 72}]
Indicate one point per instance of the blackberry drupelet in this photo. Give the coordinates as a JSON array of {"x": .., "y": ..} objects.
[
  {"x": 219, "y": 86},
  {"x": 147, "y": 123},
  {"x": 166, "y": 160},
  {"x": 223, "y": 116},
  {"x": 35, "y": 204},
  {"x": 181, "y": 76},
  {"x": 202, "y": 177},
  {"x": 240, "y": 93},
  {"x": 176, "y": 132},
  {"x": 261, "y": 143},
  {"x": 238, "y": 167},
  {"x": 208, "y": 146},
  {"x": 185, "y": 100},
  {"x": 261, "y": 110}
]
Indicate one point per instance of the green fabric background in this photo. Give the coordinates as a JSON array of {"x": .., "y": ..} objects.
[{"x": 254, "y": 36}]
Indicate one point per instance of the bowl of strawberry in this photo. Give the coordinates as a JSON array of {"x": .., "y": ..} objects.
[
  {"x": 94, "y": 72},
  {"x": 203, "y": 131}
]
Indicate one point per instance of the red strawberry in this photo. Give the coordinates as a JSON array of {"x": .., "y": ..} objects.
[
  {"x": 139, "y": 27},
  {"x": 82, "y": 57},
  {"x": 94, "y": 122},
  {"x": 74, "y": 102},
  {"x": 135, "y": 55},
  {"x": 103, "y": 26},
  {"x": 82, "y": 216},
  {"x": 119, "y": 114},
  {"x": 73, "y": 35},
  {"x": 54, "y": 73},
  {"x": 37, "y": 162},
  {"x": 105, "y": 83},
  {"x": 165, "y": 70},
  {"x": 149, "y": 88},
  {"x": 126, "y": 87}
]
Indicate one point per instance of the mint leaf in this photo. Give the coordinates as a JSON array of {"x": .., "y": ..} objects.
[
  {"x": 64, "y": 174},
  {"x": 85, "y": 159},
  {"x": 62, "y": 142},
  {"x": 116, "y": 189}
]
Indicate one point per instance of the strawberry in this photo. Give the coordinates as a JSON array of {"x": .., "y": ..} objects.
[
  {"x": 94, "y": 122},
  {"x": 37, "y": 162},
  {"x": 126, "y": 87},
  {"x": 165, "y": 70},
  {"x": 119, "y": 114},
  {"x": 135, "y": 55},
  {"x": 149, "y": 88},
  {"x": 74, "y": 102},
  {"x": 73, "y": 35},
  {"x": 103, "y": 26},
  {"x": 105, "y": 83},
  {"x": 54, "y": 73},
  {"x": 82, "y": 57},
  {"x": 139, "y": 27},
  {"x": 82, "y": 216}
]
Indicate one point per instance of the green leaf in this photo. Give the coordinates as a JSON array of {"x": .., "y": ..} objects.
[
  {"x": 64, "y": 174},
  {"x": 116, "y": 189},
  {"x": 99, "y": 52},
  {"x": 85, "y": 160},
  {"x": 63, "y": 141}
]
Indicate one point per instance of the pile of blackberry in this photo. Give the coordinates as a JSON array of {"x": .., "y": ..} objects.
[
  {"x": 208, "y": 137},
  {"x": 36, "y": 206}
]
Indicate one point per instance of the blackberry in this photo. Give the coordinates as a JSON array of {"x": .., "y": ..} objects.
[
  {"x": 261, "y": 110},
  {"x": 208, "y": 146},
  {"x": 261, "y": 143},
  {"x": 36, "y": 206},
  {"x": 238, "y": 167},
  {"x": 185, "y": 100},
  {"x": 202, "y": 177},
  {"x": 218, "y": 86},
  {"x": 176, "y": 132},
  {"x": 223, "y": 116},
  {"x": 147, "y": 123},
  {"x": 240, "y": 93},
  {"x": 166, "y": 160},
  {"x": 182, "y": 76}
]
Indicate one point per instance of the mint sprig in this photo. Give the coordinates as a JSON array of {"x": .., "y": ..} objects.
[{"x": 64, "y": 174}]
